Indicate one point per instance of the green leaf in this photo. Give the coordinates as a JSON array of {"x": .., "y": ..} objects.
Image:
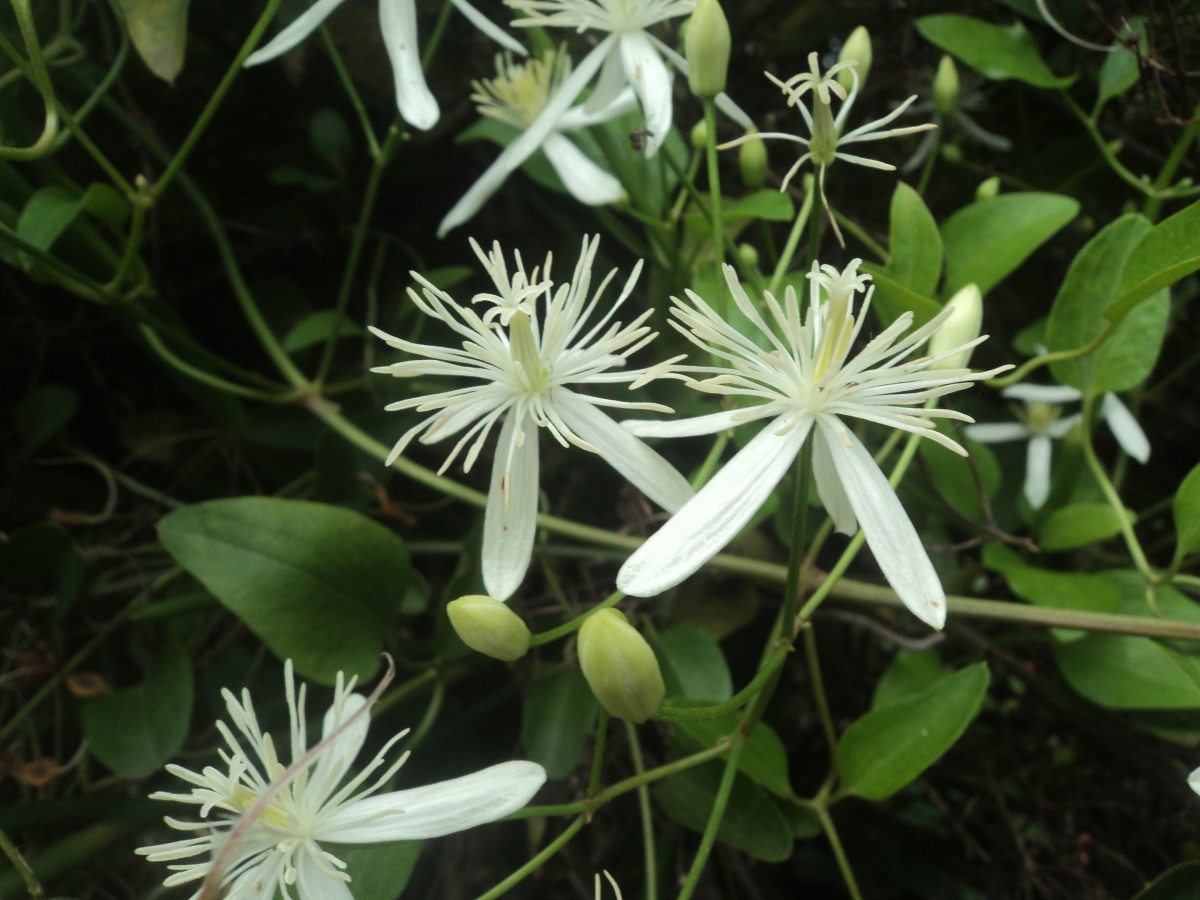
[
  {"x": 987, "y": 240},
  {"x": 158, "y": 29},
  {"x": 315, "y": 328},
  {"x": 44, "y": 555},
  {"x": 1119, "y": 72},
  {"x": 764, "y": 758},
  {"x": 318, "y": 584},
  {"x": 767, "y": 205},
  {"x": 559, "y": 713},
  {"x": 915, "y": 245},
  {"x": 330, "y": 137},
  {"x": 1078, "y": 525},
  {"x": 1187, "y": 515},
  {"x": 910, "y": 672},
  {"x": 1130, "y": 354},
  {"x": 994, "y": 51},
  {"x": 43, "y": 413},
  {"x": 752, "y": 822},
  {"x": 892, "y": 299},
  {"x": 1182, "y": 882},
  {"x": 52, "y": 210},
  {"x": 694, "y": 666},
  {"x": 378, "y": 871},
  {"x": 1168, "y": 253},
  {"x": 959, "y": 479},
  {"x": 1129, "y": 672},
  {"x": 1083, "y": 591},
  {"x": 135, "y": 730},
  {"x": 890, "y": 746}
]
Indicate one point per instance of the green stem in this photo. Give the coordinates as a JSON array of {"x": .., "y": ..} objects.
[
  {"x": 839, "y": 854},
  {"x": 768, "y": 668},
  {"x": 814, "y": 227},
  {"x": 714, "y": 194},
  {"x": 644, "y": 811},
  {"x": 813, "y": 662},
  {"x": 795, "y": 573},
  {"x": 360, "y": 109},
  {"x": 598, "y": 752},
  {"x": 175, "y": 166},
  {"x": 1153, "y": 205},
  {"x": 68, "y": 277},
  {"x": 214, "y": 381},
  {"x": 1022, "y": 371},
  {"x": 35, "y": 70},
  {"x": 397, "y": 694},
  {"x": 435, "y": 38},
  {"x": 536, "y": 863},
  {"x": 32, "y": 885},
  {"x": 930, "y": 162},
  {"x": 714, "y": 821},
  {"x": 553, "y": 634},
  {"x": 793, "y": 241}
]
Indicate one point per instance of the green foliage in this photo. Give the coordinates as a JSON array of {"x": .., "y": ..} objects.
[
  {"x": 1186, "y": 507},
  {"x": 1169, "y": 252},
  {"x": 994, "y": 51},
  {"x": 910, "y": 279},
  {"x": 693, "y": 665},
  {"x": 1078, "y": 525},
  {"x": 560, "y": 711},
  {"x": 158, "y": 29}
]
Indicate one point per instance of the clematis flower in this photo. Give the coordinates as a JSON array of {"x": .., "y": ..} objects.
[
  {"x": 280, "y": 850},
  {"x": 1043, "y": 422},
  {"x": 517, "y": 96},
  {"x": 528, "y": 366},
  {"x": 398, "y": 22},
  {"x": 629, "y": 55},
  {"x": 807, "y": 382}
]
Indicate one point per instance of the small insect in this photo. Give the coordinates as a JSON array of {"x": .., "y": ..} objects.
[{"x": 637, "y": 138}]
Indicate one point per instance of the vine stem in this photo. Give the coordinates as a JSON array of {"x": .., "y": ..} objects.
[
  {"x": 793, "y": 240},
  {"x": 534, "y": 864},
  {"x": 643, "y": 795},
  {"x": 714, "y": 821},
  {"x": 714, "y": 193},
  {"x": 32, "y": 885},
  {"x": 839, "y": 853}
]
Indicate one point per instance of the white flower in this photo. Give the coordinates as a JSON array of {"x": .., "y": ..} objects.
[
  {"x": 1193, "y": 781},
  {"x": 629, "y": 55},
  {"x": 808, "y": 377},
  {"x": 398, "y": 23},
  {"x": 826, "y": 141},
  {"x": 280, "y": 850},
  {"x": 1042, "y": 422},
  {"x": 527, "y": 367},
  {"x": 517, "y": 96}
]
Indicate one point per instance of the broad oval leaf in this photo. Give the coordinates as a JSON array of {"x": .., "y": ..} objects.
[
  {"x": 1181, "y": 882},
  {"x": 1169, "y": 252},
  {"x": 764, "y": 758},
  {"x": 892, "y": 299},
  {"x": 1187, "y": 515},
  {"x": 914, "y": 244},
  {"x": 158, "y": 29},
  {"x": 890, "y": 746},
  {"x": 318, "y": 584},
  {"x": 559, "y": 713},
  {"x": 988, "y": 239},
  {"x": 1078, "y": 525},
  {"x": 378, "y": 871},
  {"x": 1130, "y": 672},
  {"x": 694, "y": 665},
  {"x": 994, "y": 51},
  {"x": 135, "y": 730}
]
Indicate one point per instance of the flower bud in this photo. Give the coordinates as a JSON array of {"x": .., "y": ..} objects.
[
  {"x": 699, "y": 135},
  {"x": 706, "y": 46},
  {"x": 752, "y": 160},
  {"x": 988, "y": 189},
  {"x": 857, "y": 48},
  {"x": 747, "y": 255},
  {"x": 620, "y": 667},
  {"x": 945, "y": 87},
  {"x": 961, "y": 327},
  {"x": 489, "y": 626}
]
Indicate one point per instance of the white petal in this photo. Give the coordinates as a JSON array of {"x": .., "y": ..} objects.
[
  {"x": 522, "y": 148},
  {"x": 436, "y": 809},
  {"x": 398, "y": 22},
  {"x": 693, "y": 427},
  {"x": 652, "y": 82},
  {"x": 1194, "y": 781},
  {"x": 335, "y": 760},
  {"x": 1059, "y": 427},
  {"x": 586, "y": 181},
  {"x": 1043, "y": 393},
  {"x": 580, "y": 117},
  {"x": 997, "y": 432},
  {"x": 1125, "y": 428},
  {"x": 713, "y": 518},
  {"x": 478, "y": 194},
  {"x": 641, "y": 466},
  {"x": 488, "y": 27},
  {"x": 1037, "y": 471},
  {"x": 510, "y": 521},
  {"x": 609, "y": 85},
  {"x": 304, "y": 25},
  {"x": 889, "y": 531},
  {"x": 830, "y": 490},
  {"x": 313, "y": 883}
]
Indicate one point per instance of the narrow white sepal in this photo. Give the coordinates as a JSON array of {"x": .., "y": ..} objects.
[
  {"x": 830, "y": 490},
  {"x": 642, "y": 467},
  {"x": 398, "y": 23},
  {"x": 478, "y": 193},
  {"x": 488, "y": 27},
  {"x": 1194, "y": 780},
  {"x": 888, "y": 530},
  {"x": 331, "y": 766},
  {"x": 587, "y": 182},
  {"x": 1037, "y": 471},
  {"x": 693, "y": 427},
  {"x": 651, "y": 82},
  {"x": 1042, "y": 393},
  {"x": 713, "y": 518},
  {"x": 313, "y": 881},
  {"x": 436, "y": 809},
  {"x": 300, "y": 28},
  {"x": 581, "y": 117},
  {"x": 1125, "y": 428},
  {"x": 997, "y": 432},
  {"x": 510, "y": 522}
]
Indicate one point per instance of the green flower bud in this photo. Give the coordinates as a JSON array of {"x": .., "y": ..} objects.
[
  {"x": 961, "y": 327},
  {"x": 857, "y": 48},
  {"x": 752, "y": 160},
  {"x": 988, "y": 189},
  {"x": 747, "y": 255},
  {"x": 706, "y": 46},
  {"x": 945, "y": 87},
  {"x": 489, "y": 626},
  {"x": 952, "y": 153},
  {"x": 620, "y": 667},
  {"x": 699, "y": 135}
]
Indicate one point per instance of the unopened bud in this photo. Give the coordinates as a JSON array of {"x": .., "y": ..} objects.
[
  {"x": 752, "y": 160},
  {"x": 945, "y": 87},
  {"x": 620, "y": 667},
  {"x": 489, "y": 626},
  {"x": 699, "y": 135},
  {"x": 706, "y": 45},
  {"x": 961, "y": 327},
  {"x": 988, "y": 189},
  {"x": 747, "y": 256},
  {"x": 857, "y": 48}
]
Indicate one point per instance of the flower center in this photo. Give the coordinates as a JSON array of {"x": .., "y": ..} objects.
[
  {"x": 532, "y": 373},
  {"x": 520, "y": 91},
  {"x": 1040, "y": 416}
]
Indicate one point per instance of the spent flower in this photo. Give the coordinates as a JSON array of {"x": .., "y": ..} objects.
[
  {"x": 808, "y": 381},
  {"x": 528, "y": 365},
  {"x": 314, "y": 799}
]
